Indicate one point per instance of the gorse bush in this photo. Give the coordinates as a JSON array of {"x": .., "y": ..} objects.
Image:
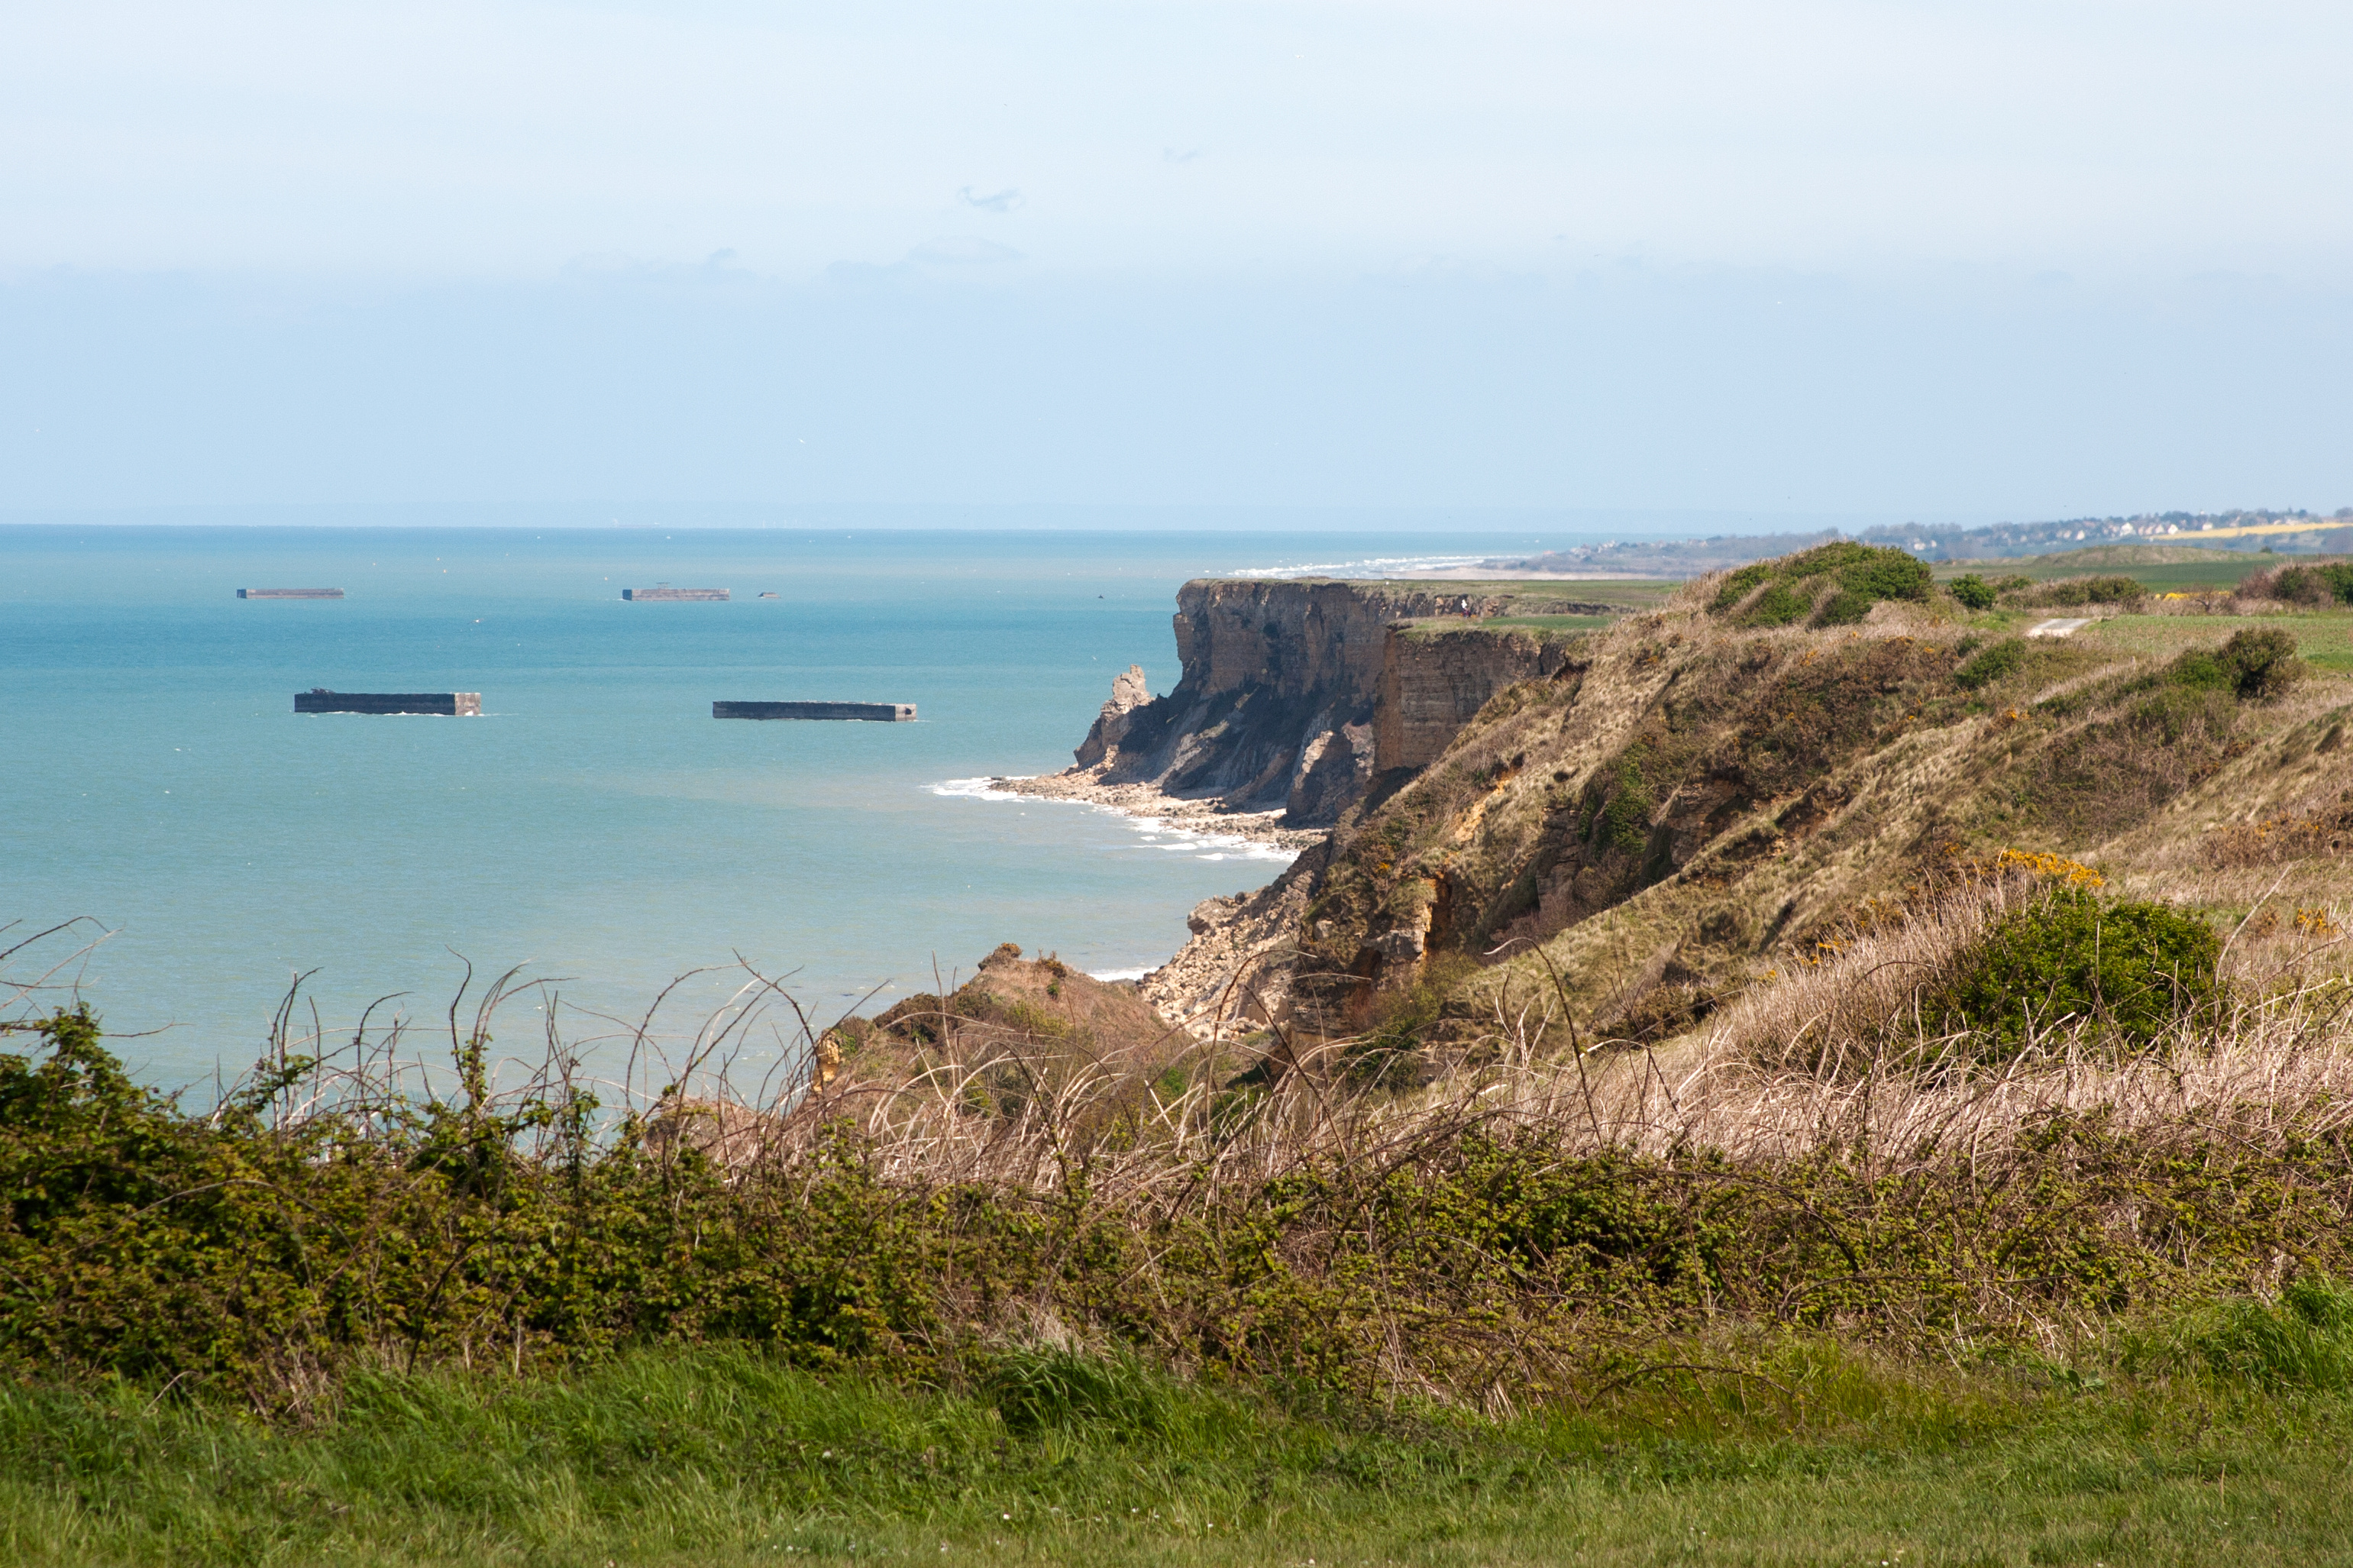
[
  {"x": 1997, "y": 662},
  {"x": 2326, "y": 583},
  {"x": 1830, "y": 585},
  {"x": 1973, "y": 591},
  {"x": 2254, "y": 666},
  {"x": 2132, "y": 969}
]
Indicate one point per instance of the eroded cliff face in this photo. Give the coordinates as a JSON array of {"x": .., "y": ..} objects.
[
  {"x": 1434, "y": 683},
  {"x": 1290, "y": 687},
  {"x": 1628, "y": 828},
  {"x": 1274, "y": 709}
]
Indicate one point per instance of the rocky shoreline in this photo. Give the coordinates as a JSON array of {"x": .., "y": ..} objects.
[
  {"x": 1148, "y": 802},
  {"x": 1216, "y": 986}
]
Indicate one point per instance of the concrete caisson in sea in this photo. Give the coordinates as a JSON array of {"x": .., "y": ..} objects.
[
  {"x": 666, "y": 592},
  {"x": 289, "y": 593},
  {"x": 884, "y": 712},
  {"x": 451, "y": 704}
]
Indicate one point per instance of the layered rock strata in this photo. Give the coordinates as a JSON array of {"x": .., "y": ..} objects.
[
  {"x": 1297, "y": 700},
  {"x": 1279, "y": 711}
]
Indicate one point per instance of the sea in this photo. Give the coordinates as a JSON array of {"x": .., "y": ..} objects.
[{"x": 181, "y": 851}]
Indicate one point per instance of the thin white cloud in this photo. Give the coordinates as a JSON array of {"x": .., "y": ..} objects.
[{"x": 999, "y": 202}]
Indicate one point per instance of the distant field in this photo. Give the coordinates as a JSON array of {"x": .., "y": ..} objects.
[
  {"x": 2098, "y": 558},
  {"x": 2324, "y": 637},
  {"x": 1530, "y": 596},
  {"x": 2160, "y": 567},
  {"x": 1545, "y": 622}
]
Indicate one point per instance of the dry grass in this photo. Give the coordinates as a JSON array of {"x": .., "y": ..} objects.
[{"x": 1800, "y": 1162}]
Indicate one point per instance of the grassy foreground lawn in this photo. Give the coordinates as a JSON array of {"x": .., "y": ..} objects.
[{"x": 720, "y": 1458}]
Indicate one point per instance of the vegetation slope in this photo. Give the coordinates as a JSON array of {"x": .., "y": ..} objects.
[{"x": 1708, "y": 793}]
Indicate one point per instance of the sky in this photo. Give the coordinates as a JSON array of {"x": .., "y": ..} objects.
[{"x": 1924, "y": 260}]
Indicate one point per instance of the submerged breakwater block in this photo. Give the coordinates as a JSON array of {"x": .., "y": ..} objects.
[
  {"x": 452, "y": 704},
  {"x": 648, "y": 595},
  {"x": 289, "y": 593},
  {"x": 885, "y": 713}
]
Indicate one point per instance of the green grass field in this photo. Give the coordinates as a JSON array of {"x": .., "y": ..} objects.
[
  {"x": 2325, "y": 637},
  {"x": 1632, "y": 593},
  {"x": 2160, "y": 568},
  {"x": 1562, "y": 623},
  {"x": 718, "y": 1457}
]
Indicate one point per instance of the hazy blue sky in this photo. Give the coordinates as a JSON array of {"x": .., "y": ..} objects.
[{"x": 1918, "y": 260}]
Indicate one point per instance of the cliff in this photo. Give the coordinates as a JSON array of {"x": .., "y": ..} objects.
[
  {"x": 1284, "y": 685},
  {"x": 1433, "y": 681},
  {"x": 1640, "y": 823},
  {"x": 1702, "y": 799}
]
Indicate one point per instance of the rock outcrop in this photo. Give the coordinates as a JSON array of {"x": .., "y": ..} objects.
[
  {"x": 1017, "y": 1034},
  {"x": 1274, "y": 709},
  {"x": 1128, "y": 693},
  {"x": 1434, "y": 683},
  {"x": 1284, "y": 685},
  {"x": 1299, "y": 700}
]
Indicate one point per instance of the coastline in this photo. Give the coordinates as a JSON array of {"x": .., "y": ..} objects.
[
  {"x": 1147, "y": 803},
  {"x": 1195, "y": 988}
]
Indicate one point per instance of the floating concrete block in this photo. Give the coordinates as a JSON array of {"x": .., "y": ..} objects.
[
  {"x": 884, "y": 712},
  {"x": 453, "y": 705}
]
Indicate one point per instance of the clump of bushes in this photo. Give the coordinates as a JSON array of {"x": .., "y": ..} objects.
[
  {"x": 2130, "y": 970},
  {"x": 2074, "y": 592},
  {"x": 1996, "y": 662},
  {"x": 2329, "y": 582},
  {"x": 1973, "y": 591},
  {"x": 1830, "y": 585},
  {"x": 1296, "y": 1233},
  {"x": 2254, "y": 666}
]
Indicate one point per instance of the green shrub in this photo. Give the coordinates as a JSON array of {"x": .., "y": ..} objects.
[
  {"x": 1973, "y": 591},
  {"x": 2131, "y": 969},
  {"x": 1776, "y": 606},
  {"x": 2254, "y": 666},
  {"x": 2331, "y": 582},
  {"x": 1845, "y": 607},
  {"x": 1845, "y": 580},
  {"x": 1996, "y": 663}
]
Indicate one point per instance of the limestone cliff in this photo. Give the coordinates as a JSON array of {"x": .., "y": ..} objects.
[
  {"x": 1639, "y": 823},
  {"x": 1433, "y": 681},
  {"x": 1284, "y": 687}
]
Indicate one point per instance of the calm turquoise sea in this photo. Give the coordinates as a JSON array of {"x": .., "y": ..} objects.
[{"x": 595, "y": 824}]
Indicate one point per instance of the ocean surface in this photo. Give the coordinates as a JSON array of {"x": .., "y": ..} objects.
[{"x": 596, "y": 825}]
